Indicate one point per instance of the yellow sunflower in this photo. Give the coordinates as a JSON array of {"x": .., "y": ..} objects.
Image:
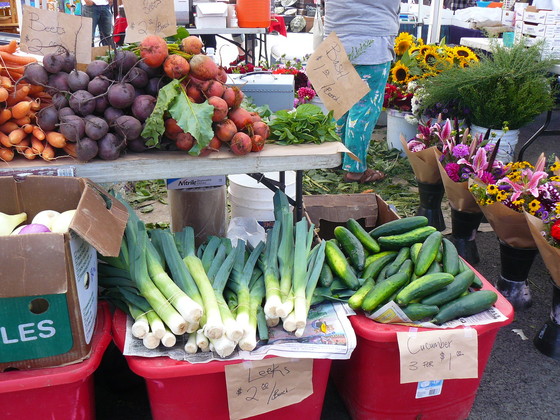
[
  {"x": 492, "y": 189},
  {"x": 555, "y": 167},
  {"x": 534, "y": 206},
  {"x": 519, "y": 202},
  {"x": 463, "y": 52},
  {"x": 555, "y": 178},
  {"x": 431, "y": 57},
  {"x": 489, "y": 201},
  {"x": 424, "y": 48},
  {"x": 501, "y": 196},
  {"x": 403, "y": 42},
  {"x": 400, "y": 73}
]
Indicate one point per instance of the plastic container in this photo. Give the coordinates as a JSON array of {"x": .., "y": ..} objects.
[
  {"x": 509, "y": 140},
  {"x": 249, "y": 198},
  {"x": 369, "y": 382},
  {"x": 180, "y": 390},
  {"x": 59, "y": 393},
  {"x": 253, "y": 13},
  {"x": 397, "y": 126}
]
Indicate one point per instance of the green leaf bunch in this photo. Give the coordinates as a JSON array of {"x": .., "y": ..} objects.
[
  {"x": 306, "y": 124},
  {"x": 512, "y": 84}
]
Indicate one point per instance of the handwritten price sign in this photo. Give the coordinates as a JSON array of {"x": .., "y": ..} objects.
[
  {"x": 334, "y": 78},
  {"x": 441, "y": 354},
  {"x": 149, "y": 17},
  {"x": 261, "y": 386}
]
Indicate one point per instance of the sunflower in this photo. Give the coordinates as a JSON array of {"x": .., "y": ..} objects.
[
  {"x": 519, "y": 202},
  {"x": 462, "y": 52},
  {"x": 489, "y": 201},
  {"x": 555, "y": 178},
  {"x": 555, "y": 167},
  {"x": 424, "y": 48},
  {"x": 501, "y": 196},
  {"x": 431, "y": 57},
  {"x": 492, "y": 189},
  {"x": 534, "y": 206},
  {"x": 400, "y": 73},
  {"x": 403, "y": 42}
]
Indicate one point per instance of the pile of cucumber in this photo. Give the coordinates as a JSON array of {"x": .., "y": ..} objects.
[{"x": 409, "y": 262}]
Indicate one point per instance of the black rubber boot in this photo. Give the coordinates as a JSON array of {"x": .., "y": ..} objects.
[
  {"x": 463, "y": 230},
  {"x": 430, "y": 204},
  {"x": 513, "y": 284},
  {"x": 547, "y": 341}
]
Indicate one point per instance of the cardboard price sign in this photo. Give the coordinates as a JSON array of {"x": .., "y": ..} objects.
[
  {"x": 265, "y": 385},
  {"x": 334, "y": 78},
  {"x": 43, "y": 31},
  {"x": 149, "y": 17},
  {"x": 441, "y": 354}
]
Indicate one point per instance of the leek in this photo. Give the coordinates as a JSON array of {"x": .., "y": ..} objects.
[
  {"x": 301, "y": 252},
  {"x": 190, "y": 346},
  {"x": 168, "y": 339},
  {"x": 271, "y": 272}
]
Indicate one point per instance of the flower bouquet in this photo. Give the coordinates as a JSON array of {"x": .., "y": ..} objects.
[{"x": 524, "y": 188}]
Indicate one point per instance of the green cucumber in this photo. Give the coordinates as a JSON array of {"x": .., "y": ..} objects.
[
  {"x": 351, "y": 247},
  {"x": 356, "y": 300},
  {"x": 452, "y": 291},
  {"x": 439, "y": 255},
  {"x": 374, "y": 257},
  {"x": 359, "y": 232},
  {"x": 428, "y": 252},
  {"x": 417, "y": 311},
  {"x": 326, "y": 276},
  {"x": 423, "y": 286},
  {"x": 407, "y": 267},
  {"x": 373, "y": 269},
  {"x": 382, "y": 274},
  {"x": 414, "y": 250},
  {"x": 434, "y": 268},
  {"x": 477, "y": 283},
  {"x": 396, "y": 227},
  {"x": 402, "y": 256},
  {"x": 339, "y": 266},
  {"x": 406, "y": 239},
  {"x": 450, "y": 257},
  {"x": 470, "y": 304},
  {"x": 382, "y": 291}
]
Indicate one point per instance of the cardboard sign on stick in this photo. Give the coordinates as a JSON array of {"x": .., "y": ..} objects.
[
  {"x": 44, "y": 32},
  {"x": 334, "y": 78},
  {"x": 149, "y": 17}
]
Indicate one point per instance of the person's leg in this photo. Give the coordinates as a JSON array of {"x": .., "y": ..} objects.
[
  {"x": 105, "y": 22},
  {"x": 360, "y": 122},
  {"x": 241, "y": 57},
  {"x": 89, "y": 11}
]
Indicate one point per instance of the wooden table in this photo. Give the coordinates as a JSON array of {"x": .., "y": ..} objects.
[{"x": 161, "y": 165}]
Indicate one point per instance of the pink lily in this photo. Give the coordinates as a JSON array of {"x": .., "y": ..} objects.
[
  {"x": 529, "y": 182},
  {"x": 479, "y": 163},
  {"x": 445, "y": 132}
]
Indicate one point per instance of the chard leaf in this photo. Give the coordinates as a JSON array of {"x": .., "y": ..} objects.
[
  {"x": 195, "y": 119},
  {"x": 154, "y": 128}
]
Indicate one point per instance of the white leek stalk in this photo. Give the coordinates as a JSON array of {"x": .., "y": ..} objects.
[
  {"x": 150, "y": 341},
  {"x": 168, "y": 339},
  {"x": 190, "y": 346}
]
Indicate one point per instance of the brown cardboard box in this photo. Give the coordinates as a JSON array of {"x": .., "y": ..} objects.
[
  {"x": 48, "y": 281},
  {"x": 329, "y": 211}
]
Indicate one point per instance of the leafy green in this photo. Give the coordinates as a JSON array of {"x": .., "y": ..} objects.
[
  {"x": 306, "y": 124},
  {"x": 154, "y": 128},
  {"x": 263, "y": 110},
  {"x": 182, "y": 33}
]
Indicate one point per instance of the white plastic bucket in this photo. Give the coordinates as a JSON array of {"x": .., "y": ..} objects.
[
  {"x": 507, "y": 145},
  {"x": 249, "y": 198},
  {"x": 397, "y": 125}
]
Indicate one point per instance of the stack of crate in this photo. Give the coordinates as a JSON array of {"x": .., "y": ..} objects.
[{"x": 539, "y": 26}]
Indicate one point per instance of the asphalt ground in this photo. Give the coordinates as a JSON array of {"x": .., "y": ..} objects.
[{"x": 519, "y": 381}]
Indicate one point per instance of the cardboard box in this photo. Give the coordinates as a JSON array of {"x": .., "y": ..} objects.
[
  {"x": 274, "y": 90},
  {"x": 508, "y": 17},
  {"x": 48, "y": 292},
  {"x": 540, "y": 30},
  {"x": 211, "y": 15},
  {"x": 534, "y": 15},
  {"x": 331, "y": 210}
]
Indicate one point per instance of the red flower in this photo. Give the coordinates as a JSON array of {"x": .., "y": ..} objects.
[{"x": 555, "y": 230}]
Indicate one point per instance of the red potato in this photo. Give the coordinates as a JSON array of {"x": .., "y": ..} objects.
[
  {"x": 220, "y": 108},
  {"x": 153, "y": 50},
  {"x": 192, "y": 45},
  {"x": 176, "y": 67},
  {"x": 225, "y": 130},
  {"x": 185, "y": 141},
  {"x": 241, "y": 144},
  {"x": 203, "y": 67},
  {"x": 257, "y": 143}
]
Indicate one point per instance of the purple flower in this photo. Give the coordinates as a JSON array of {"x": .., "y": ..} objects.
[
  {"x": 461, "y": 150},
  {"x": 452, "y": 170},
  {"x": 487, "y": 178}
]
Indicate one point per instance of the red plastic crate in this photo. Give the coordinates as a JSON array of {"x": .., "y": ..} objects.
[
  {"x": 179, "y": 390},
  {"x": 369, "y": 382},
  {"x": 60, "y": 392}
]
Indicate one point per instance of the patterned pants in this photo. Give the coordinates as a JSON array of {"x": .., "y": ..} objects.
[{"x": 356, "y": 126}]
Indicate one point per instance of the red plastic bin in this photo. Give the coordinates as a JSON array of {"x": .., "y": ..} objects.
[
  {"x": 59, "y": 393},
  {"x": 182, "y": 390},
  {"x": 369, "y": 382}
]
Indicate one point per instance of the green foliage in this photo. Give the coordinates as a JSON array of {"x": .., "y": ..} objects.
[
  {"x": 512, "y": 84},
  {"x": 307, "y": 124}
]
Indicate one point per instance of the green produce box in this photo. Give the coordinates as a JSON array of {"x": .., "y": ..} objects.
[
  {"x": 331, "y": 210},
  {"x": 48, "y": 288}
]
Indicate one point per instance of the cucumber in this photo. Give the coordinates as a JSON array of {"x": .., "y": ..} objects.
[
  {"x": 452, "y": 291},
  {"x": 359, "y": 232},
  {"x": 326, "y": 276},
  {"x": 373, "y": 270},
  {"x": 414, "y": 250},
  {"x": 428, "y": 252},
  {"x": 417, "y": 311},
  {"x": 357, "y": 299},
  {"x": 434, "y": 268},
  {"x": 382, "y": 274},
  {"x": 402, "y": 256},
  {"x": 339, "y": 266},
  {"x": 396, "y": 227},
  {"x": 351, "y": 247},
  {"x": 407, "y": 267},
  {"x": 423, "y": 286},
  {"x": 374, "y": 257},
  {"x": 383, "y": 290},
  {"x": 470, "y": 304},
  {"x": 450, "y": 257},
  {"x": 477, "y": 283},
  {"x": 439, "y": 256},
  {"x": 406, "y": 239}
]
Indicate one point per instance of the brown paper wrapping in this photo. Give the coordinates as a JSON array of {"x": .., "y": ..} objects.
[
  {"x": 510, "y": 226},
  {"x": 424, "y": 163},
  {"x": 549, "y": 254},
  {"x": 458, "y": 194}
]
